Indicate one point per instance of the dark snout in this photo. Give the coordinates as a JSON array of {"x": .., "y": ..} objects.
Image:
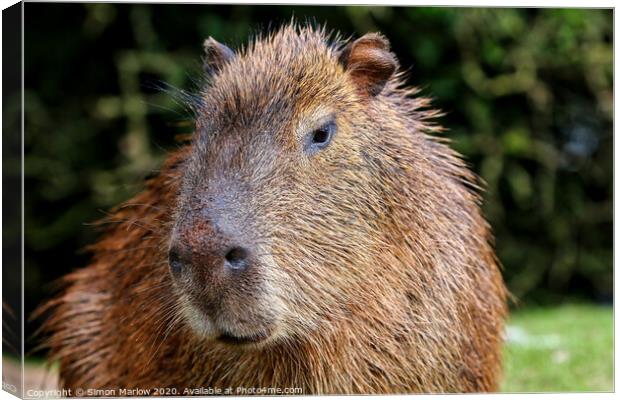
[
  {"x": 217, "y": 269},
  {"x": 201, "y": 247}
]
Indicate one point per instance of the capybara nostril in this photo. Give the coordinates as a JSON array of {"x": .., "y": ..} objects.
[
  {"x": 174, "y": 261},
  {"x": 237, "y": 258}
]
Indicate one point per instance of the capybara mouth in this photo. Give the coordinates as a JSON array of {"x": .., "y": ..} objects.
[{"x": 241, "y": 340}]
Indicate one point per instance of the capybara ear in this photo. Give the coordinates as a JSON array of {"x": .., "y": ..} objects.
[
  {"x": 216, "y": 55},
  {"x": 370, "y": 62}
]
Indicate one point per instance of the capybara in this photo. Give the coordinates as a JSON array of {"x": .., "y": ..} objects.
[{"x": 314, "y": 233}]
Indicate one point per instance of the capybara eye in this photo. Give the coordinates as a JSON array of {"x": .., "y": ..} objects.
[{"x": 319, "y": 138}]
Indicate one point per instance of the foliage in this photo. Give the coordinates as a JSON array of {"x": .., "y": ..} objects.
[
  {"x": 560, "y": 349},
  {"x": 527, "y": 95}
]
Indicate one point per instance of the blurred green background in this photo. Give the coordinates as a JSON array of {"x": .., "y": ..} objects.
[{"x": 528, "y": 101}]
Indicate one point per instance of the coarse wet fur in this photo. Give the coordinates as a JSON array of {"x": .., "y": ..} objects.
[{"x": 372, "y": 268}]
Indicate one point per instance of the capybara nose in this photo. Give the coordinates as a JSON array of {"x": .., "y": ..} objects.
[{"x": 207, "y": 250}]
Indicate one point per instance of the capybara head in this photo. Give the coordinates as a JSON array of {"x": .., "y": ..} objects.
[{"x": 281, "y": 194}]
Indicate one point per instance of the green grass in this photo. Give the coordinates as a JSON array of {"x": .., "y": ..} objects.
[{"x": 560, "y": 349}]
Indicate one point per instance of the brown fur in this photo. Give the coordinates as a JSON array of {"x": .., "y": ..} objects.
[{"x": 377, "y": 265}]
